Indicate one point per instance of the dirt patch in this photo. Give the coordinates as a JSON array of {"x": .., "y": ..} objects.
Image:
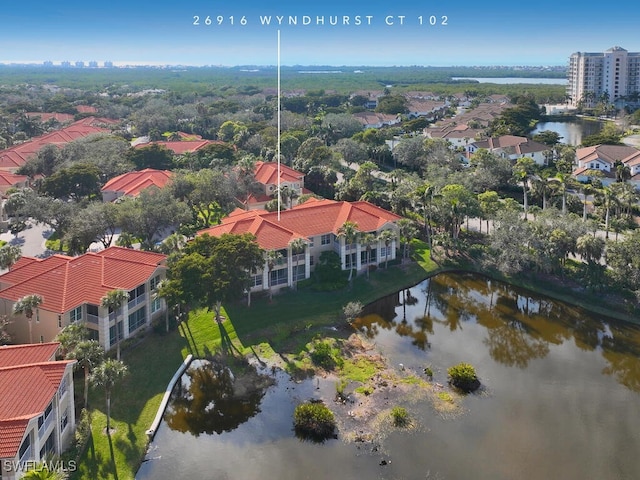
[{"x": 368, "y": 388}]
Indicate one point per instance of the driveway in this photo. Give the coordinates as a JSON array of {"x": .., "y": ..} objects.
[{"x": 31, "y": 240}]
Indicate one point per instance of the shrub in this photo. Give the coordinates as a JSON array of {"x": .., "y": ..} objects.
[
  {"x": 322, "y": 356},
  {"x": 314, "y": 421},
  {"x": 463, "y": 376},
  {"x": 400, "y": 416},
  {"x": 351, "y": 310}
]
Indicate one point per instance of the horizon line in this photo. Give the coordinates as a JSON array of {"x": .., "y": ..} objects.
[{"x": 85, "y": 66}]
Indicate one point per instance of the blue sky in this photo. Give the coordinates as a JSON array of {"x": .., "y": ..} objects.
[{"x": 490, "y": 32}]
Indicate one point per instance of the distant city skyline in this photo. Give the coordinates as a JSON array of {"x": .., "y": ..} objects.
[{"x": 146, "y": 32}]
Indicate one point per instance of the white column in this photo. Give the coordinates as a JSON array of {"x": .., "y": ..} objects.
[
  {"x": 125, "y": 321},
  {"x": 307, "y": 262},
  {"x": 289, "y": 266},
  {"x": 265, "y": 276}
]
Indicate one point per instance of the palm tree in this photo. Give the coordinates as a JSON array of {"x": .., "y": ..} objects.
[
  {"x": 89, "y": 354},
  {"x": 298, "y": 246},
  {"x": 586, "y": 189},
  {"x": 425, "y": 193},
  {"x": 563, "y": 182},
  {"x": 113, "y": 301},
  {"x": 125, "y": 240},
  {"x": 523, "y": 170},
  {"x": 386, "y": 237},
  {"x": 367, "y": 239},
  {"x": 106, "y": 375},
  {"x": 27, "y": 305},
  {"x": 349, "y": 231},
  {"x": 407, "y": 231},
  {"x": 42, "y": 472},
  {"x": 608, "y": 199},
  {"x": 9, "y": 254}
]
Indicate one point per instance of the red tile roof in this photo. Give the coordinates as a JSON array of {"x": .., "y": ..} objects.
[
  {"x": 16, "y": 156},
  {"x": 86, "y": 109},
  {"x": 267, "y": 173},
  {"x": 133, "y": 183},
  {"x": 312, "y": 218},
  {"x": 28, "y": 382},
  {"x": 68, "y": 282},
  {"x": 12, "y": 355},
  {"x": 181, "y": 147},
  {"x": 8, "y": 180},
  {"x": 46, "y": 116}
]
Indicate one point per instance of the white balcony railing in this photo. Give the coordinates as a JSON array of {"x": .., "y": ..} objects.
[
  {"x": 137, "y": 301},
  {"x": 47, "y": 422},
  {"x": 92, "y": 318}
]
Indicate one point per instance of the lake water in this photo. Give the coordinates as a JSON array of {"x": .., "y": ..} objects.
[
  {"x": 559, "y": 399},
  {"x": 571, "y": 131},
  {"x": 515, "y": 80}
]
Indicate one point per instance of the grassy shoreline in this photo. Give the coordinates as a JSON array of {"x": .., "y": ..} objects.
[{"x": 285, "y": 324}]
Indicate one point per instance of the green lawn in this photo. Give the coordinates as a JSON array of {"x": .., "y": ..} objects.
[{"x": 262, "y": 329}]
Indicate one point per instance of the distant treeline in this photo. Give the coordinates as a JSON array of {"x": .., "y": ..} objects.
[{"x": 344, "y": 79}]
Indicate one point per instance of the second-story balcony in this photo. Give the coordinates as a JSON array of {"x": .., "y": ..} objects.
[
  {"x": 137, "y": 301},
  {"x": 46, "y": 424}
]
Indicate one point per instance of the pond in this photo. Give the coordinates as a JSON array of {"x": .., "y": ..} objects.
[
  {"x": 571, "y": 131},
  {"x": 559, "y": 398}
]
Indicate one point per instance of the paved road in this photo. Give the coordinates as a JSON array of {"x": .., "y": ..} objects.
[{"x": 31, "y": 241}]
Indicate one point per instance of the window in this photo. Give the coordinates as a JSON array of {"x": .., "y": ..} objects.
[
  {"x": 59, "y": 321},
  {"x": 298, "y": 272},
  {"x": 137, "y": 319},
  {"x": 350, "y": 260},
  {"x": 137, "y": 292},
  {"x": 256, "y": 280},
  {"x": 64, "y": 419},
  {"x": 49, "y": 447},
  {"x": 326, "y": 239},
  {"x": 156, "y": 304},
  {"x": 311, "y": 260},
  {"x": 41, "y": 338},
  {"x": 24, "y": 448},
  {"x": 154, "y": 282},
  {"x": 311, "y": 242},
  {"x": 115, "y": 335},
  {"x": 75, "y": 315},
  {"x": 279, "y": 277},
  {"x": 62, "y": 389}
]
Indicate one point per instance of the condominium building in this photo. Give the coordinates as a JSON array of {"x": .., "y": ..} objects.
[{"x": 613, "y": 75}]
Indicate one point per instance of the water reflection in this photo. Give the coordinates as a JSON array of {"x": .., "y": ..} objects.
[
  {"x": 561, "y": 398},
  {"x": 519, "y": 327},
  {"x": 209, "y": 398}
]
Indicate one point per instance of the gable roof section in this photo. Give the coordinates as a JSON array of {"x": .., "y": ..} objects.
[
  {"x": 181, "y": 147},
  {"x": 67, "y": 282},
  {"x": 607, "y": 153},
  {"x": 267, "y": 173},
  {"x": 29, "y": 379},
  {"x": 512, "y": 144},
  {"x": 132, "y": 183},
  {"x": 12, "y": 355},
  {"x": 311, "y": 218},
  {"x": 16, "y": 156},
  {"x": 8, "y": 180}
]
